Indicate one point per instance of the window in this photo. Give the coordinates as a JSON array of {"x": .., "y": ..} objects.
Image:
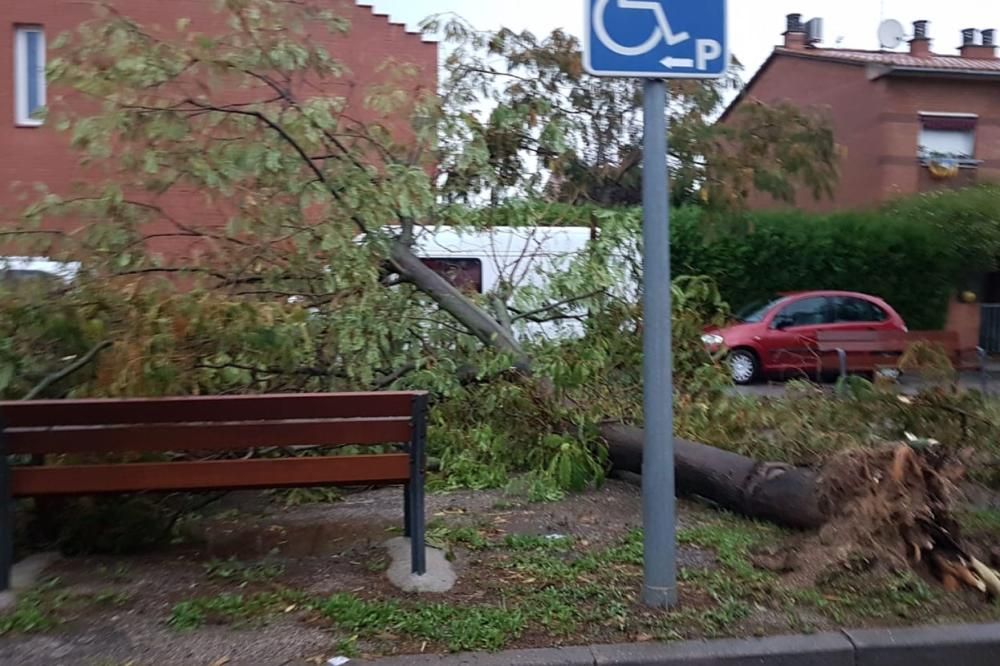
[
  {"x": 19, "y": 269},
  {"x": 464, "y": 274},
  {"x": 29, "y": 75},
  {"x": 809, "y": 312},
  {"x": 948, "y": 136},
  {"x": 852, "y": 310},
  {"x": 758, "y": 310}
]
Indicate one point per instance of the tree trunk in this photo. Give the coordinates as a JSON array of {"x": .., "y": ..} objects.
[
  {"x": 474, "y": 318},
  {"x": 773, "y": 492}
]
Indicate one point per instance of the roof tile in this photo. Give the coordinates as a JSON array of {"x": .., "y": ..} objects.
[{"x": 891, "y": 59}]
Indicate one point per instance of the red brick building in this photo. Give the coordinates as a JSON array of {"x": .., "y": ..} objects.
[
  {"x": 907, "y": 122},
  {"x": 32, "y": 152}
]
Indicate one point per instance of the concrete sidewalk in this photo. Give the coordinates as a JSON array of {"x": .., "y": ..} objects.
[{"x": 963, "y": 645}]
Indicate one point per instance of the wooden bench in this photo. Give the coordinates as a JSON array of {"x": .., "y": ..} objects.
[
  {"x": 78, "y": 430},
  {"x": 870, "y": 351}
]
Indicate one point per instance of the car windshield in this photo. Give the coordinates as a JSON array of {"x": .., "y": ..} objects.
[{"x": 756, "y": 311}]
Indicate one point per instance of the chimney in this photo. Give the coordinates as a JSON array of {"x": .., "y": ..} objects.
[
  {"x": 920, "y": 45},
  {"x": 795, "y": 33},
  {"x": 974, "y": 50}
]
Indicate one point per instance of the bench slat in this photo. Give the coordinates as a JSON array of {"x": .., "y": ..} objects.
[
  {"x": 215, "y": 475},
  {"x": 206, "y": 436},
  {"x": 45, "y": 413}
]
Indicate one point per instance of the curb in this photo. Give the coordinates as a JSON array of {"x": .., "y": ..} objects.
[{"x": 965, "y": 645}]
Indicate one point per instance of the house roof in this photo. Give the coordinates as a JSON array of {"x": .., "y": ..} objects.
[
  {"x": 880, "y": 63},
  {"x": 896, "y": 60}
]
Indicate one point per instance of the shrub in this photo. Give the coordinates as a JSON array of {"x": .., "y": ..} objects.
[{"x": 914, "y": 253}]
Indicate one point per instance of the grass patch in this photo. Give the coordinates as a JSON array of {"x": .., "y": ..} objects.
[
  {"x": 980, "y": 522},
  {"x": 850, "y": 597},
  {"x": 236, "y": 609},
  {"x": 36, "y": 611},
  {"x": 47, "y": 606},
  {"x": 457, "y": 628}
]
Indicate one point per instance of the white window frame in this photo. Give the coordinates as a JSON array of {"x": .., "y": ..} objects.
[
  {"x": 968, "y": 138},
  {"x": 22, "y": 115}
]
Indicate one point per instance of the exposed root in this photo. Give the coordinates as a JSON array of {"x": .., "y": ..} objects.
[{"x": 895, "y": 504}]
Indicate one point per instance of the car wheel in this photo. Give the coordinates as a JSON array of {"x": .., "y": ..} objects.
[{"x": 743, "y": 366}]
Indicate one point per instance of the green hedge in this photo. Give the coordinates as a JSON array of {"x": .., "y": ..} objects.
[{"x": 914, "y": 253}]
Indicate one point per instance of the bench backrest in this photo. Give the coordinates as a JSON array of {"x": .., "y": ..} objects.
[
  {"x": 211, "y": 424},
  {"x": 205, "y": 424}
]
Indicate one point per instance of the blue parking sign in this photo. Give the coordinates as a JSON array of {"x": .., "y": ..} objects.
[{"x": 663, "y": 39}]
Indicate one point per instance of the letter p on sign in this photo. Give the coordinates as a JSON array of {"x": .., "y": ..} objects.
[{"x": 706, "y": 51}]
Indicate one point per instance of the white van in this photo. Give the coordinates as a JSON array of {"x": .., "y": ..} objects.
[
  {"x": 522, "y": 261},
  {"x": 512, "y": 256}
]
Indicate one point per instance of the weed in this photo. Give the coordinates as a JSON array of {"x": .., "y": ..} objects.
[
  {"x": 377, "y": 564},
  {"x": 535, "y": 487},
  {"x": 120, "y": 573},
  {"x": 304, "y": 496},
  {"x": 446, "y": 538},
  {"x": 233, "y": 570},
  {"x": 527, "y": 542},
  {"x": 347, "y": 647},
  {"x": 112, "y": 599}
]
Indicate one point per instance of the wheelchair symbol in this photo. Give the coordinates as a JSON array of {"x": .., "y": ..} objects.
[{"x": 662, "y": 32}]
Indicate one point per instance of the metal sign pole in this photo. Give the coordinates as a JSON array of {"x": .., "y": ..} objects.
[
  {"x": 657, "y": 40},
  {"x": 658, "y": 498}
]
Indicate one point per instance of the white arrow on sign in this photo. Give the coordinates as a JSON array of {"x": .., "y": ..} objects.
[
  {"x": 662, "y": 32},
  {"x": 670, "y": 63}
]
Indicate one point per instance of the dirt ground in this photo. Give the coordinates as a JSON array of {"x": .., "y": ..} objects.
[{"x": 105, "y": 611}]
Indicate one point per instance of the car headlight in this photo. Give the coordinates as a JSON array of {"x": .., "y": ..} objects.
[{"x": 713, "y": 340}]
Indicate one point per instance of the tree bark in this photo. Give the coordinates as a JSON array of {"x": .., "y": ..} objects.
[{"x": 774, "y": 492}]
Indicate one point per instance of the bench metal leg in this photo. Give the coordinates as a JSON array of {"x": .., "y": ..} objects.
[
  {"x": 6, "y": 518},
  {"x": 415, "y": 489}
]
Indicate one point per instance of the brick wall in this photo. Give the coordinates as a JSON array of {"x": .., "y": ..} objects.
[
  {"x": 851, "y": 102},
  {"x": 29, "y": 154},
  {"x": 905, "y": 99},
  {"x": 877, "y": 124}
]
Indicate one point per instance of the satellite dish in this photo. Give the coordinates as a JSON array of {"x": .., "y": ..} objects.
[{"x": 891, "y": 34}]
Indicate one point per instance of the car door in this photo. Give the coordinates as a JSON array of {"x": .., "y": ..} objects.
[
  {"x": 857, "y": 314},
  {"x": 854, "y": 314},
  {"x": 791, "y": 336}
]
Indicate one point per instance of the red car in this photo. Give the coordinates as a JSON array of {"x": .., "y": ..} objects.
[{"x": 778, "y": 336}]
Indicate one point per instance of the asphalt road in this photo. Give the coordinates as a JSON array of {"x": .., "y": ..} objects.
[{"x": 907, "y": 385}]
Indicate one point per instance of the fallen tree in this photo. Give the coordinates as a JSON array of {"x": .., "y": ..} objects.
[
  {"x": 890, "y": 506},
  {"x": 769, "y": 491}
]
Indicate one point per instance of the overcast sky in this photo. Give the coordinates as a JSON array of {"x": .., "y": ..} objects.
[{"x": 755, "y": 25}]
